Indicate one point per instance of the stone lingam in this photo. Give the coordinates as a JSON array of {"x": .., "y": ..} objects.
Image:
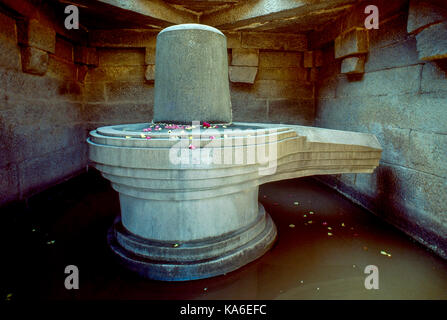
[{"x": 188, "y": 181}]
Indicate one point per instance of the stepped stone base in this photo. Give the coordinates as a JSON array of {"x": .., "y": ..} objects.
[{"x": 190, "y": 260}]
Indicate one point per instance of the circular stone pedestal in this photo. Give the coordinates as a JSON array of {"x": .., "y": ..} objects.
[
  {"x": 189, "y": 260},
  {"x": 184, "y": 217}
]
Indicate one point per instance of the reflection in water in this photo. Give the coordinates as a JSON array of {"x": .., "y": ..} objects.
[{"x": 305, "y": 263}]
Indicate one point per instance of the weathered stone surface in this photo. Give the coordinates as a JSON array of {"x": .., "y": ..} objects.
[
  {"x": 351, "y": 42},
  {"x": 81, "y": 73},
  {"x": 64, "y": 49},
  {"x": 34, "y": 61},
  {"x": 34, "y": 34},
  {"x": 282, "y": 90},
  {"x": 9, "y": 188},
  {"x": 385, "y": 82},
  {"x": 313, "y": 74},
  {"x": 245, "y": 57},
  {"x": 243, "y": 74},
  {"x": 434, "y": 77},
  {"x": 119, "y": 38},
  {"x": 422, "y": 14},
  {"x": 51, "y": 169},
  {"x": 269, "y": 59},
  {"x": 9, "y": 50},
  {"x": 234, "y": 39},
  {"x": 95, "y": 92},
  {"x": 149, "y": 56},
  {"x": 428, "y": 152},
  {"x": 184, "y": 73},
  {"x": 399, "y": 54},
  {"x": 284, "y": 74},
  {"x": 61, "y": 69},
  {"x": 101, "y": 114},
  {"x": 120, "y": 91},
  {"x": 353, "y": 65},
  {"x": 247, "y": 109},
  {"x": 86, "y": 55},
  {"x": 308, "y": 59},
  {"x": 432, "y": 42},
  {"x": 121, "y": 57},
  {"x": 318, "y": 58},
  {"x": 116, "y": 73},
  {"x": 274, "y": 41},
  {"x": 150, "y": 72},
  {"x": 301, "y": 112}
]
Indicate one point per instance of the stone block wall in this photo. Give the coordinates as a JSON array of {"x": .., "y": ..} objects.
[
  {"x": 117, "y": 91},
  {"x": 42, "y": 132},
  {"x": 401, "y": 98}
]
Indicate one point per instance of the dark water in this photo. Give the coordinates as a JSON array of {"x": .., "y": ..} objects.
[{"x": 305, "y": 263}]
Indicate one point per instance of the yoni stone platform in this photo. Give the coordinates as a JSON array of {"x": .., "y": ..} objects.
[{"x": 189, "y": 191}]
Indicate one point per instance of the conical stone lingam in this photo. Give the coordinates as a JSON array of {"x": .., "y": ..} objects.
[{"x": 188, "y": 181}]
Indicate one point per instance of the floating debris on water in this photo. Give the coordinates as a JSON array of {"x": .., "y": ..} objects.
[{"x": 385, "y": 253}]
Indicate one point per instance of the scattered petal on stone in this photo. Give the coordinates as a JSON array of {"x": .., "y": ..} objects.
[
  {"x": 142, "y": 136},
  {"x": 206, "y": 124},
  {"x": 192, "y": 147},
  {"x": 324, "y": 223},
  {"x": 175, "y": 245},
  {"x": 127, "y": 137},
  {"x": 148, "y": 138},
  {"x": 318, "y": 288},
  {"x": 329, "y": 234},
  {"x": 311, "y": 212},
  {"x": 224, "y": 126},
  {"x": 291, "y": 225},
  {"x": 302, "y": 281},
  {"x": 296, "y": 203},
  {"x": 353, "y": 265},
  {"x": 329, "y": 228},
  {"x": 212, "y": 137}
]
